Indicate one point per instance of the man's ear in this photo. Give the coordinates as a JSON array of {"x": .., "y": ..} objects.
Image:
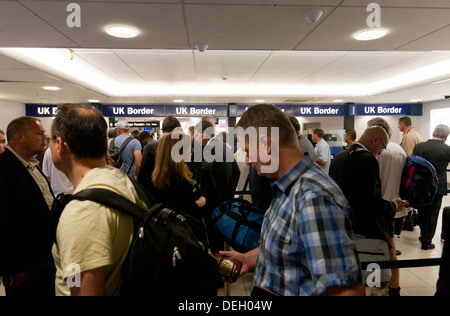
[
  {"x": 61, "y": 146},
  {"x": 266, "y": 141}
]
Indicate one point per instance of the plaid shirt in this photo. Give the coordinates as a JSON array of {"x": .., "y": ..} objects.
[{"x": 307, "y": 242}]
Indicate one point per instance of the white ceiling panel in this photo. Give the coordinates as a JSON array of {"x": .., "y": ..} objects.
[
  {"x": 20, "y": 27},
  {"x": 404, "y": 26},
  {"x": 160, "y": 25},
  {"x": 247, "y": 27}
]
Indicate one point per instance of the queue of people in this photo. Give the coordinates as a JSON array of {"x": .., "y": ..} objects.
[{"x": 317, "y": 208}]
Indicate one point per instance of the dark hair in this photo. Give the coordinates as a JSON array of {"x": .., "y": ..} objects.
[
  {"x": 143, "y": 135},
  {"x": 405, "y": 120},
  {"x": 294, "y": 122},
  {"x": 83, "y": 128},
  {"x": 319, "y": 132},
  {"x": 351, "y": 133},
  {"x": 170, "y": 123}
]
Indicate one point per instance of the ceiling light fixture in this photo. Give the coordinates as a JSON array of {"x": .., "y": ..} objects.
[
  {"x": 178, "y": 101},
  {"x": 93, "y": 101},
  {"x": 51, "y": 88},
  {"x": 370, "y": 34},
  {"x": 121, "y": 31}
]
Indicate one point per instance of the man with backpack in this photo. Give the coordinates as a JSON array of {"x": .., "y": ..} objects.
[
  {"x": 438, "y": 154},
  {"x": 130, "y": 149},
  {"x": 92, "y": 240}
]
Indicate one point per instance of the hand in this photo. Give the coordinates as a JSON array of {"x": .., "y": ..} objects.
[
  {"x": 248, "y": 259},
  {"x": 400, "y": 204},
  {"x": 201, "y": 201},
  {"x": 18, "y": 279}
]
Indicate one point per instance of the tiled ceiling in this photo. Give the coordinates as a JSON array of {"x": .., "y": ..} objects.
[{"x": 254, "y": 44}]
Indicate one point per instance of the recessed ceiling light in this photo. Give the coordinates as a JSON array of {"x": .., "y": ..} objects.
[
  {"x": 121, "y": 31},
  {"x": 416, "y": 100},
  {"x": 94, "y": 101},
  {"x": 51, "y": 88},
  {"x": 178, "y": 101},
  {"x": 370, "y": 34},
  {"x": 260, "y": 101},
  {"x": 338, "y": 101}
]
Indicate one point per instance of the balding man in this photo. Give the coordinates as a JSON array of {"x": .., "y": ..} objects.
[{"x": 357, "y": 172}]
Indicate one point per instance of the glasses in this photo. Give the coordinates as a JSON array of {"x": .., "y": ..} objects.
[{"x": 382, "y": 143}]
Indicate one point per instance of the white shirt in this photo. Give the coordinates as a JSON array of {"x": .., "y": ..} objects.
[
  {"x": 58, "y": 180},
  {"x": 392, "y": 162}
]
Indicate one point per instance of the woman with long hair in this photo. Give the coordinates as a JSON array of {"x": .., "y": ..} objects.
[{"x": 173, "y": 182}]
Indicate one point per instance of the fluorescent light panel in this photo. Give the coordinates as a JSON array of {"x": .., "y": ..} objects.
[{"x": 79, "y": 71}]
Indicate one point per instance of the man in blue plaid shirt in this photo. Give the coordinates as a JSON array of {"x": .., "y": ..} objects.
[{"x": 307, "y": 245}]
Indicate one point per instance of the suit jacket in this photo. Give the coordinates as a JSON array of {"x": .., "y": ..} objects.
[
  {"x": 219, "y": 178},
  {"x": 357, "y": 173},
  {"x": 438, "y": 154},
  {"x": 24, "y": 217}
]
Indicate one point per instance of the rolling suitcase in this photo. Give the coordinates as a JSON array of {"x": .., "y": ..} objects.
[{"x": 445, "y": 223}]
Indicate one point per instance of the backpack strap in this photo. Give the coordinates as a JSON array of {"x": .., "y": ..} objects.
[
  {"x": 125, "y": 143},
  {"x": 114, "y": 200}
]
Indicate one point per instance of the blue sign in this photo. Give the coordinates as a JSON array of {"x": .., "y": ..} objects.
[
  {"x": 40, "y": 110},
  {"x": 413, "y": 109},
  {"x": 196, "y": 110},
  {"x": 117, "y": 110},
  {"x": 320, "y": 110}
]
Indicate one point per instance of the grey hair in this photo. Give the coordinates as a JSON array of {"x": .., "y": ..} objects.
[{"x": 441, "y": 131}]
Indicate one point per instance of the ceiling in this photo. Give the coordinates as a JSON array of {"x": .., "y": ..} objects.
[{"x": 257, "y": 49}]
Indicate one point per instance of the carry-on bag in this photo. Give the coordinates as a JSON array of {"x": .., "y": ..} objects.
[{"x": 239, "y": 223}]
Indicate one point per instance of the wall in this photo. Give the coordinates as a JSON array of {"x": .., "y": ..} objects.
[{"x": 8, "y": 111}]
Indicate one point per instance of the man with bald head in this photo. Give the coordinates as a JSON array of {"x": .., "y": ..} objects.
[{"x": 357, "y": 173}]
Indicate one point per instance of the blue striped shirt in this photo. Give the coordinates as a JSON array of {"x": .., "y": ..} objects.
[{"x": 307, "y": 242}]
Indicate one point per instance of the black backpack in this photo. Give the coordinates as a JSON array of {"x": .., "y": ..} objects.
[
  {"x": 116, "y": 153},
  {"x": 169, "y": 254}
]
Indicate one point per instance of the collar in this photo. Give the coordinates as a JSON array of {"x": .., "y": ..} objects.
[
  {"x": 285, "y": 183},
  {"x": 408, "y": 130},
  {"x": 32, "y": 163},
  {"x": 361, "y": 145}
]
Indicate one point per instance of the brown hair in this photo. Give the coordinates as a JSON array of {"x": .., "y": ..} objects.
[{"x": 166, "y": 167}]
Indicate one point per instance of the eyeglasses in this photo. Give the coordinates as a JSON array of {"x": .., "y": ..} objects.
[{"x": 382, "y": 143}]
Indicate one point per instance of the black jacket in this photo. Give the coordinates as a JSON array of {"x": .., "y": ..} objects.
[
  {"x": 357, "y": 173},
  {"x": 218, "y": 178},
  {"x": 24, "y": 218}
]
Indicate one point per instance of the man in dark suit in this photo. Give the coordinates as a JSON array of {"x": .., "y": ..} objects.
[
  {"x": 357, "y": 173},
  {"x": 438, "y": 154},
  {"x": 217, "y": 173},
  {"x": 25, "y": 256}
]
